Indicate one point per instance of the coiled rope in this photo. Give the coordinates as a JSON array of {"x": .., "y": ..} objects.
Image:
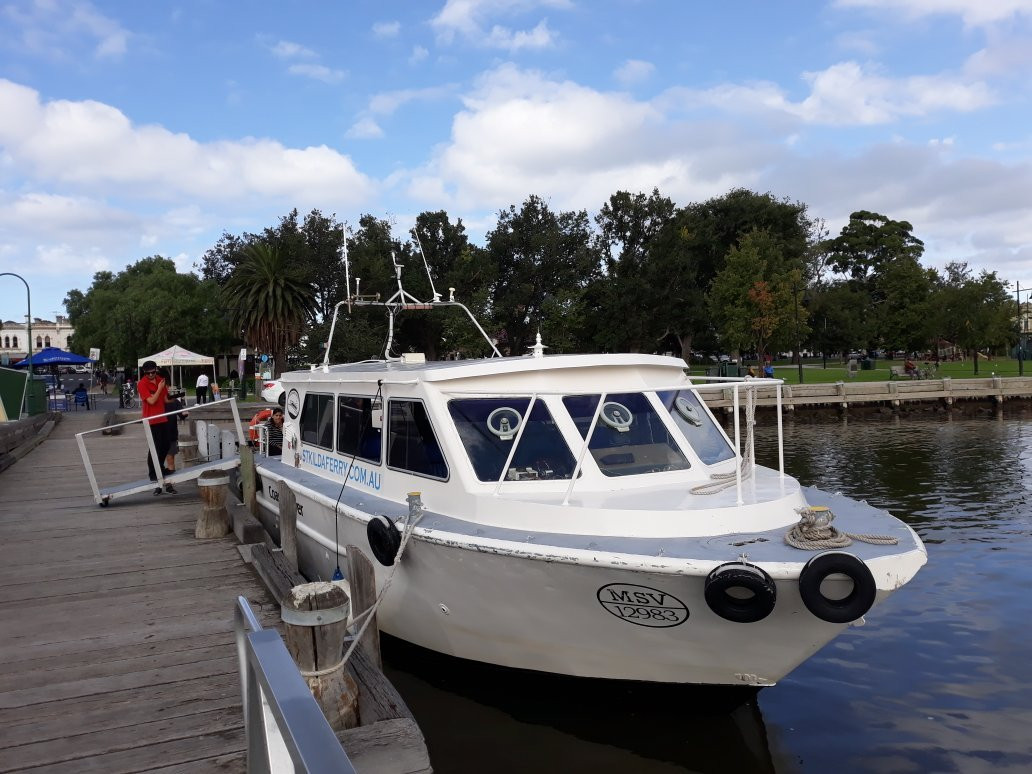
[
  {"x": 814, "y": 532},
  {"x": 721, "y": 481}
]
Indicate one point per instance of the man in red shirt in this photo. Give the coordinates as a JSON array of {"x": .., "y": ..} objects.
[{"x": 153, "y": 392}]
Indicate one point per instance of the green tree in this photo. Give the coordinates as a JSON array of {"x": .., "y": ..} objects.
[
  {"x": 269, "y": 302},
  {"x": 974, "y": 312},
  {"x": 753, "y": 299},
  {"x": 628, "y": 226},
  {"x": 542, "y": 263},
  {"x": 145, "y": 308},
  {"x": 693, "y": 245}
]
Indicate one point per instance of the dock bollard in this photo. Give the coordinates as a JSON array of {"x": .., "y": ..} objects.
[
  {"x": 316, "y": 622},
  {"x": 213, "y": 520},
  {"x": 189, "y": 450}
]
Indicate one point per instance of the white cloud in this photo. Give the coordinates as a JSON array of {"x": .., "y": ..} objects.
[
  {"x": 365, "y": 129},
  {"x": 846, "y": 94},
  {"x": 388, "y": 102},
  {"x": 93, "y": 146},
  {"x": 418, "y": 55},
  {"x": 973, "y": 12},
  {"x": 58, "y": 28},
  {"x": 633, "y": 71},
  {"x": 285, "y": 49},
  {"x": 386, "y": 29},
  {"x": 318, "y": 72},
  {"x": 472, "y": 20}
]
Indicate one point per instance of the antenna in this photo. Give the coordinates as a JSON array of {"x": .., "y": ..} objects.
[
  {"x": 415, "y": 233},
  {"x": 347, "y": 268}
]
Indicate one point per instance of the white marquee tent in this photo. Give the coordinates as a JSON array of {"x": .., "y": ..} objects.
[{"x": 178, "y": 356}]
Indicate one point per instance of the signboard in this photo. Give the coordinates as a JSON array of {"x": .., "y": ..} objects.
[{"x": 94, "y": 353}]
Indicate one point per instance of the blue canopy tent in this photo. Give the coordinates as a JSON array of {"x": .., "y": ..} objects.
[{"x": 53, "y": 356}]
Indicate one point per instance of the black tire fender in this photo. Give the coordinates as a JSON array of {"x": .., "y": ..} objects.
[
  {"x": 740, "y": 575},
  {"x": 837, "y": 611},
  {"x": 384, "y": 539}
]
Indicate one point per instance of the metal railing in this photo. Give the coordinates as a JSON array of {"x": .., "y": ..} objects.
[
  {"x": 152, "y": 452},
  {"x": 283, "y": 726}
]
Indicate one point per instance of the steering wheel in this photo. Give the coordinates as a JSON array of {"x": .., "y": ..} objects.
[
  {"x": 688, "y": 411},
  {"x": 508, "y": 422},
  {"x": 617, "y": 416}
]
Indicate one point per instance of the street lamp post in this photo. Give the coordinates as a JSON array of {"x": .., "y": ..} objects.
[
  {"x": 1022, "y": 334},
  {"x": 799, "y": 346},
  {"x": 28, "y": 319}
]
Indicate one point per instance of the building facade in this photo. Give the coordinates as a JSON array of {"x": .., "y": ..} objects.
[{"x": 14, "y": 337}]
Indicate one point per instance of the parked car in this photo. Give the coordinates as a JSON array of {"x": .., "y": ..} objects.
[{"x": 272, "y": 392}]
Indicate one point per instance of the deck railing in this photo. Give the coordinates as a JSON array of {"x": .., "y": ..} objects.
[{"x": 284, "y": 728}]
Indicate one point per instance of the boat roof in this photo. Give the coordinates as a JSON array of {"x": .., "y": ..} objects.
[{"x": 447, "y": 370}]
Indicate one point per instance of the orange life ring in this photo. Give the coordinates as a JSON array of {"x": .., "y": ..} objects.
[{"x": 257, "y": 419}]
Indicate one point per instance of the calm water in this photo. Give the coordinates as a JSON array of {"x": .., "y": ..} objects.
[{"x": 938, "y": 680}]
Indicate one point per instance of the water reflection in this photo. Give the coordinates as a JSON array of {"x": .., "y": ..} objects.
[
  {"x": 477, "y": 718},
  {"x": 937, "y": 680}
]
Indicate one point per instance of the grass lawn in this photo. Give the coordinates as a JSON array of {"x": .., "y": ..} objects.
[{"x": 815, "y": 373}]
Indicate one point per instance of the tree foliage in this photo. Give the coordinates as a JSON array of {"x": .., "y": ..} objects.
[
  {"x": 146, "y": 308},
  {"x": 269, "y": 301}
]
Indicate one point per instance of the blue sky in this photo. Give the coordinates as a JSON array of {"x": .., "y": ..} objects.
[{"x": 130, "y": 129}]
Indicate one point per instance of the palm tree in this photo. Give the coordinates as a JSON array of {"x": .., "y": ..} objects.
[{"x": 269, "y": 301}]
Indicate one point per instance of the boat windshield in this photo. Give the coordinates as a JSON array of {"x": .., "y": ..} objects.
[
  {"x": 488, "y": 428},
  {"x": 630, "y": 437},
  {"x": 697, "y": 425}
]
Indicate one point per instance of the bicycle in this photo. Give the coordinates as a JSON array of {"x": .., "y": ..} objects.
[{"x": 128, "y": 398}]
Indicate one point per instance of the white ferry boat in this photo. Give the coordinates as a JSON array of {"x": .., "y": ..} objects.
[{"x": 575, "y": 514}]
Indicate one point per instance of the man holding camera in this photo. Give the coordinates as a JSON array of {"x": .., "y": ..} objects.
[{"x": 153, "y": 391}]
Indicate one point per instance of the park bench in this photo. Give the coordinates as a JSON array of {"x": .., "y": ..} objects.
[{"x": 897, "y": 371}]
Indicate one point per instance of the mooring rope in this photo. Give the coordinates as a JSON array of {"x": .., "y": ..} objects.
[
  {"x": 721, "y": 481},
  {"x": 367, "y": 615},
  {"x": 814, "y": 532}
]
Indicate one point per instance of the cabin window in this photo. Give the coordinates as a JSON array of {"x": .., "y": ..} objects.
[
  {"x": 697, "y": 424},
  {"x": 356, "y": 436},
  {"x": 488, "y": 429},
  {"x": 317, "y": 421},
  {"x": 412, "y": 445},
  {"x": 630, "y": 437}
]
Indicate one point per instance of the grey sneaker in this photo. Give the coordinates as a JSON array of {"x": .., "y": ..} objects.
[{"x": 157, "y": 491}]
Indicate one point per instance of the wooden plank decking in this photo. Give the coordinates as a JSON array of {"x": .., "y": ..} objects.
[{"x": 116, "y": 624}]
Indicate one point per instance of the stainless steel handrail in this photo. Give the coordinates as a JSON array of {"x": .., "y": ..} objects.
[{"x": 283, "y": 725}]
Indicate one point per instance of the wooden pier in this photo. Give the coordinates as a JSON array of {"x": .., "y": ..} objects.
[
  {"x": 894, "y": 394},
  {"x": 117, "y": 650}
]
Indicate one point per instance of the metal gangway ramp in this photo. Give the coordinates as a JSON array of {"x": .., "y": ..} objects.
[{"x": 226, "y": 459}]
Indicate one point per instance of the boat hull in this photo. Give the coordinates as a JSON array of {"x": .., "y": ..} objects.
[{"x": 555, "y": 613}]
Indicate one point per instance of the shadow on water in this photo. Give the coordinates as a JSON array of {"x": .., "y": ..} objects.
[{"x": 477, "y": 717}]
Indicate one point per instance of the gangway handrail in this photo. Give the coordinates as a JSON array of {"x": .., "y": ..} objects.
[
  {"x": 152, "y": 450},
  {"x": 284, "y": 728}
]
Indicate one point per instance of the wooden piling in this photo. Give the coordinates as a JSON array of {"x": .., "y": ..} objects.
[
  {"x": 288, "y": 523},
  {"x": 316, "y": 622},
  {"x": 188, "y": 447},
  {"x": 249, "y": 479},
  {"x": 362, "y": 580},
  {"x": 213, "y": 520}
]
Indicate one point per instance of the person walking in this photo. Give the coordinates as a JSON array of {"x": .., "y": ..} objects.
[
  {"x": 202, "y": 388},
  {"x": 153, "y": 391}
]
